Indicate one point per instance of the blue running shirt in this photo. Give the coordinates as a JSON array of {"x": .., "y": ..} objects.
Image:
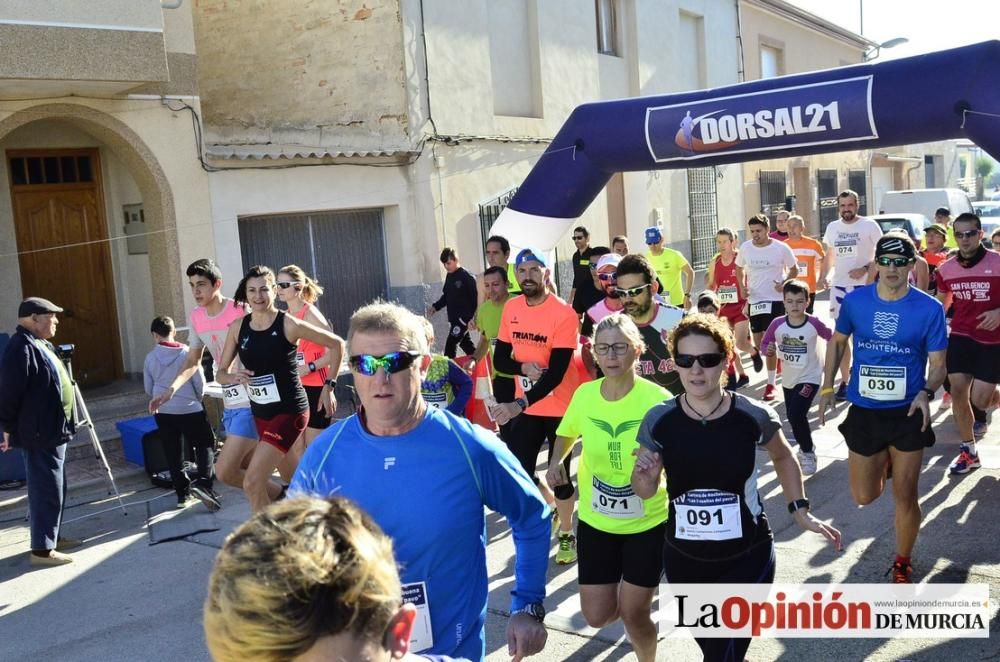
[
  {"x": 891, "y": 342},
  {"x": 426, "y": 489}
]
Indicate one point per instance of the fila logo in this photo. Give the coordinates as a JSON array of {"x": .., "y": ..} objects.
[{"x": 388, "y": 462}]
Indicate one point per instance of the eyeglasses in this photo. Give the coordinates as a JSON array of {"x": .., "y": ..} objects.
[
  {"x": 393, "y": 362},
  {"x": 619, "y": 348},
  {"x": 631, "y": 292},
  {"x": 968, "y": 234},
  {"x": 608, "y": 277},
  {"x": 899, "y": 262},
  {"x": 704, "y": 360},
  {"x": 578, "y": 237},
  {"x": 286, "y": 285},
  {"x": 995, "y": 243}
]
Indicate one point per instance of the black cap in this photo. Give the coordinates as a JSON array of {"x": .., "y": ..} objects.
[
  {"x": 942, "y": 211},
  {"x": 894, "y": 245},
  {"x": 37, "y": 306}
]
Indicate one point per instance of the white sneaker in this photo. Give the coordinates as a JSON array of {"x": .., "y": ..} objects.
[{"x": 808, "y": 463}]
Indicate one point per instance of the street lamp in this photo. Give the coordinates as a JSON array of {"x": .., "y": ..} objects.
[{"x": 874, "y": 51}]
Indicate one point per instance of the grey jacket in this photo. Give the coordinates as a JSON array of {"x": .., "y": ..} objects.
[{"x": 161, "y": 366}]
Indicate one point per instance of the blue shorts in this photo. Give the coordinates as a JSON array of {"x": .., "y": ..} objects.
[{"x": 239, "y": 422}]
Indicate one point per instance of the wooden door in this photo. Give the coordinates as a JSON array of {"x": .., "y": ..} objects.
[{"x": 64, "y": 253}]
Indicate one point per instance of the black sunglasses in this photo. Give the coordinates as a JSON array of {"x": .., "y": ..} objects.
[
  {"x": 899, "y": 262},
  {"x": 393, "y": 362},
  {"x": 968, "y": 234},
  {"x": 705, "y": 360},
  {"x": 577, "y": 237},
  {"x": 285, "y": 286}
]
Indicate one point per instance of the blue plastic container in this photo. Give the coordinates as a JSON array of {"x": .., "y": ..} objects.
[{"x": 132, "y": 431}]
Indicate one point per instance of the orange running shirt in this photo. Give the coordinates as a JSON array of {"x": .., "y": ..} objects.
[
  {"x": 808, "y": 252},
  {"x": 533, "y": 332}
]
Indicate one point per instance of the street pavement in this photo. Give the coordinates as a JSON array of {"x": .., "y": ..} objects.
[{"x": 126, "y": 600}]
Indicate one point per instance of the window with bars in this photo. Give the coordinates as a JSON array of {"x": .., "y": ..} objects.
[
  {"x": 703, "y": 214},
  {"x": 56, "y": 169},
  {"x": 489, "y": 212},
  {"x": 826, "y": 189},
  {"x": 857, "y": 181},
  {"x": 773, "y": 190}
]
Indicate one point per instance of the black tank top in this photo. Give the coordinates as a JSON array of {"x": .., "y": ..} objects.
[{"x": 275, "y": 387}]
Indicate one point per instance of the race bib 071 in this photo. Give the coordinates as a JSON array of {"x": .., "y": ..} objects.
[{"x": 615, "y": 502}]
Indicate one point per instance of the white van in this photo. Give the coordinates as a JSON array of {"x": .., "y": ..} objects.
[{"x": 925, "y": 201}]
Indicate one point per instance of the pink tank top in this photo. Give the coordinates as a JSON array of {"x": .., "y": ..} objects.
[{"x": 310, "y": 352}]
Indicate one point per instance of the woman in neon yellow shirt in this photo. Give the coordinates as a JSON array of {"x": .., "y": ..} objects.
[{"x": 620, "y": 536}]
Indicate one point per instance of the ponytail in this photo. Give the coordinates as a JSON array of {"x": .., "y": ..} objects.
[{"x": 311, "y": 290}]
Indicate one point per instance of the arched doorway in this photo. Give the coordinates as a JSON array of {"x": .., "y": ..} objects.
[{"x": 64, "y": 220}]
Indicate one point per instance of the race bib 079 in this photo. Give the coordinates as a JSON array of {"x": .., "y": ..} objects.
[
  {"x": 884, "y": 383},
  {"x": 728, "y": 295}
]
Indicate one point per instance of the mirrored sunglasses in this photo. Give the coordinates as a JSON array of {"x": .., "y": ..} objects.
[{"x": 393, "y": 362}]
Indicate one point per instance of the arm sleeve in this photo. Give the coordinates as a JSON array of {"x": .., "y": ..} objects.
[
  {"x": 461, "y": 384},
  {"x": 198, "y": 383},
  {"x": 645, "y": 434},
  {"x": 937, "y": 333},
  {"x": 942, "y": 284},
  {"x": 772, "y": 329},
  {"x": 559, "y": 361},
  {"x": 13, "y": 380},
  {"x": 503, "y": 359},
  {"x": 508, "y": 490},
  {"x": 439, "y": 304},
  {"x": 822, "y": 330},
  {"x": 740, "y": 259},
  {"x": 147, "y": 377},
  {"x": 844, "y": 325},
  {"x": 569, "y": 426},
  {"x": 790, "y": 260},
  {"x": 194, "y": 340},
  {"x": 767, "y": 419}
]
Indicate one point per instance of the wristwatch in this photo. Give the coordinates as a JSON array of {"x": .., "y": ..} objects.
[
  {"x": 522, "y": 403},
  {"x": 798, "y": 504},
  {"x": 930, "y": 393},
  {"x": 332, "y": 383},
  {"x": 312, "y": 366},
  {"x": 535, "y": 610}
]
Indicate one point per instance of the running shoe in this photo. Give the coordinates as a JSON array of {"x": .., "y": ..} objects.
[
  {"x": 567, "y": 549},
  {"x": 731, "y": 382},
  {"x": 900, "y": 573},
  {"x": 768, "y": 393},
  {"x": 758, "y": 362},
  {"x": 207, "y": 496},
  {"x": 979, "y": 429},
  {"x": 808, "y": 463},
  {"x": 841, "y": 392},
  {"x": 965, "y": 462},
  {"x": 945, "y": 401},
  {"x": 185, "y": 500},
  {"x": 742, "y": 381}
]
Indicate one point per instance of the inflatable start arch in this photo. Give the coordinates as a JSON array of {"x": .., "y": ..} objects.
[{"x": 938, "y": 96}]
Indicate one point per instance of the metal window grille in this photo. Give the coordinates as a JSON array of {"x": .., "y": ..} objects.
[
  {"x": 703, "y": 213},
  {"x": 772, "y": 193},
  {"x": 826, "y": 188},
  {"x": 490, "y": 211},
  {"x": 857, "y": 181}
]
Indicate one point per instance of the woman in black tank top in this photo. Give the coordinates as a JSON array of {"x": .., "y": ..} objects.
[{"x": 266, "y": 342}]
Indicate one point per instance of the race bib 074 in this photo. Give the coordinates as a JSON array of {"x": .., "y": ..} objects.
[{"x": 846, "y": 248}]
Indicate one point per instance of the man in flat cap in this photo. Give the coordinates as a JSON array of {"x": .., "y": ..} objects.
[{"x": 37, "y": 402}]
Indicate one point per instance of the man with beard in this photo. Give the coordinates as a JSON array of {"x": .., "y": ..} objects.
[
  {"x": 972, "y": 278},
  {"x": 538, "y": 335},
  {"x": 606, "y": 266},
  {"x": 636, "y": 288},
  {"x": 850, "y": 254}
]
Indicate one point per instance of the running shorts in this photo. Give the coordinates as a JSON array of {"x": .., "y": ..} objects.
[
  {"x": 759, "y": 323},
  {"x": 870, "y": 431},
  {"x": 239, "y": 422},
  {"x": 608, "y": 558},
  {"x": 968, "y": 357},
  {"x": 282, "y": 430},
  {"x": 318, "y": 420}
]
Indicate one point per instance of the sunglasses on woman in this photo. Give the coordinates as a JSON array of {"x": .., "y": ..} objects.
[
  {"x": 393, "y": 362},
  {"x": 704, "y": 360},
  {"x": 286, "y": 285}
]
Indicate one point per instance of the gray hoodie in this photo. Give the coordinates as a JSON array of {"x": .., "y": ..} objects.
[{"x": 161, "y": 366}]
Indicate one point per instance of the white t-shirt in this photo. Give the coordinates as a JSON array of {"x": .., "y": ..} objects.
[
  {"x": 764, "y": 265},
  {"x": 796, "y": 347},
  {"x": 851, "y": 246}
]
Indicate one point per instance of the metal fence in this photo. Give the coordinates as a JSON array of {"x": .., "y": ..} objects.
[
  {"x": 703, "y": 213},
  {"x": 490, "y": 211},
  {"x": 773, "y": 190},
  {"x": 857, "y": 181},
  {"x": 826, "y": 188}
]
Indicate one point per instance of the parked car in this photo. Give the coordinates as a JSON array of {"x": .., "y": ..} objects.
[
  {"x": 925, "y": 201},
  {"x": 986, "y": 208},
  {"x": 914, "y": 224}
]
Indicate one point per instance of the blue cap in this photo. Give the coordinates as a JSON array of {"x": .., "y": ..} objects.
[
  {"x": 653, "y": 235},
  {"x": 528, "y": 255}
]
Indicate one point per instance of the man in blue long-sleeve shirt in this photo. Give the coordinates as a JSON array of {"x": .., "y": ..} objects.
[
  {"x": 424, "y": 475},
  {"x": 460, "y": 296}
]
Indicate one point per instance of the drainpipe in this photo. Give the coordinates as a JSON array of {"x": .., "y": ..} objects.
[
  {"x": 740, "y": 74},
  {"x": 173, "y": 4}
]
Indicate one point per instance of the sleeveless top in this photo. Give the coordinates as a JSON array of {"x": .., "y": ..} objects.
[
  {"x": 725, "y": 282},
  {"x": 310, "y": 352},
  {"x": 275, "y": 387}
]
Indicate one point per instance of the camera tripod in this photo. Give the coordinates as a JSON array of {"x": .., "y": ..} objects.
[{"x": 84, "y": 421}]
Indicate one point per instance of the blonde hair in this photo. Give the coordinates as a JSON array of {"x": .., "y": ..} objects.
[
  {"x": 627, "y": 327},
  {"x": 311, "y": 290},
  {"x": 389, "y": 318},
  {"x": 299, "y": 570}
]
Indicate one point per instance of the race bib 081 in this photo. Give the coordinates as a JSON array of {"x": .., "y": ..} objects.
[{"x": 263, "y": 390}]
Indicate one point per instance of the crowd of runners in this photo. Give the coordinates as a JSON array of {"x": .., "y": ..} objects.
[{"x": 644, "y": 375}]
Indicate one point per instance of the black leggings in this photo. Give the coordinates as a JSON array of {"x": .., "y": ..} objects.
[
  {"x": 756, "y": 566},
  {"x": 798, "y": 400},
  {"x": 526, "y": 439},
  {"x": 458, "y": 336},
  {"x": 196, "y": 429}
]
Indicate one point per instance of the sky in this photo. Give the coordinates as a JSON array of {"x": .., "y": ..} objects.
[{"x": 930, "y": 25}]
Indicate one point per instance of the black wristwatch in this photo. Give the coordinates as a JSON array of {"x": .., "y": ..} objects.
[
  {"x": 332, "y": 383},
  {"x": 522, "y": 403},
  {"x": 930, "y": 393},
  {"x": 798, "y": 504},
  {"x": 535, "y": 610},
  {"x": 312, "y": 366}
]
